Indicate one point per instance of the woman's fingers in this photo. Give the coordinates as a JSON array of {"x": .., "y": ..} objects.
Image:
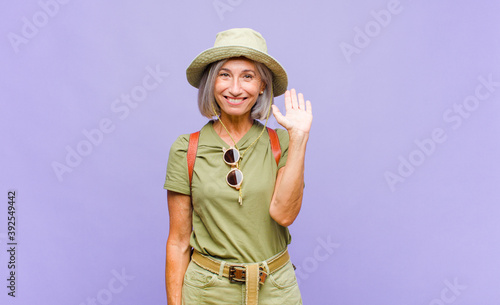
[
  {"x": 295, "y": 104},
  {"x": 309, "y": 107},
  {"x": 280, "y": 118},
  {"x": 294, "y": 100},
  {"x": 298, "y": 116},
  {"x": 276, "y": 110},
  {"x": 301, "y": 102},
  {"x": 288, "y": 100},
  {"x": 277, "y": 114}
]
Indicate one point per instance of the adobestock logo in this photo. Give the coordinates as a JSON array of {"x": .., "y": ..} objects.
[
  {"x": 122, "y": 107},
  {"x": 450, "y": 293},
  {"x": 407, "y": 165},
  {"x": 322, "y": 252},
  {"x": 223, "y": 6},
  {"x": 116, "y": 284},
  {"x": 373, "y": 28},
  {"x": 31, "y": 27},
  {"x": 455, "y": 115}
]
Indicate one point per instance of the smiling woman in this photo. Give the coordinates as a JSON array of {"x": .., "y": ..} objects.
[
  {"x": 207, "y": 84},
  {"x": 225, "y": 230},
  {"x": 237, "y": 87}
]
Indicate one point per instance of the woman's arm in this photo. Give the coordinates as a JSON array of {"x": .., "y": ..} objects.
[
  {"x": 288, "y": 191},
  {"x": 178, "y": 248}
]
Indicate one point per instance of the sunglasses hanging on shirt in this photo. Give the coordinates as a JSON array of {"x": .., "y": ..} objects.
[{"x": 235, "y": 177}]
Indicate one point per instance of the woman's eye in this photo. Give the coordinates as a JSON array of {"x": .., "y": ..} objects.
[
  {"x": 248, "y": 76},
  {"x": 224, "y": 74}
]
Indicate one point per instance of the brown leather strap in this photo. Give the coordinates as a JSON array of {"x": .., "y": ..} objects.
[
  {"x": 275, "y": 144},
  {"x": 213, "y": 265},
  {"x": 191, "y": 153}
]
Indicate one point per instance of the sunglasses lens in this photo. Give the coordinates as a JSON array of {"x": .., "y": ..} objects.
[
  {"x": 231, "y": 156},
  {"x": 234, "y": 177}
]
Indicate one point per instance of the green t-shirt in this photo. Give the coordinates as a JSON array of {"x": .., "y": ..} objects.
[{"x": 223, "y": 228}]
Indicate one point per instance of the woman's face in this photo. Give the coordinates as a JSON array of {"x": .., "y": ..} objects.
[{"x": 237, "y": 87}]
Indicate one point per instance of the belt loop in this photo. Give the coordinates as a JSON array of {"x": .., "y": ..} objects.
[
  {"x": 266, "y": 267},
  {"x": 221, "y": 269}
]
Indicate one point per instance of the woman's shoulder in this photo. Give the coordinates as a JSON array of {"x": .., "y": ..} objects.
[{"x": 182, "y": 141}]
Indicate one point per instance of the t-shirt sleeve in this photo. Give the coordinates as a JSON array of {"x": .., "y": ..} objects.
[
  {"x": 177, "y": 179},
  {"x": 283, "y": 138}
]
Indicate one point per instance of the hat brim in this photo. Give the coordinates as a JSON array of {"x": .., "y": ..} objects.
[{"x": 200, "y": 63}]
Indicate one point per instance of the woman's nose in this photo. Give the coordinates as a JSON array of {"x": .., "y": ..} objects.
[{"x": 235, "y": 88}]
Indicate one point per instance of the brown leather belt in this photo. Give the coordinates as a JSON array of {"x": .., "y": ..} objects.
[{"x": 250, "y": 274}]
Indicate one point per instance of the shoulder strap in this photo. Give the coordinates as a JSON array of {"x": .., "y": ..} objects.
[
  {"x": 191, "y": 153},
  {"x": 193, "y": 148},
  {"x": 275, "y": 144}
]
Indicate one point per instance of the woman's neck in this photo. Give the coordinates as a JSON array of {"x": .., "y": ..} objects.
[{"x": 236, "y": 126}]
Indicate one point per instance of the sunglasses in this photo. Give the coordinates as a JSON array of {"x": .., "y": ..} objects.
[{"x": 235, "y": 177}]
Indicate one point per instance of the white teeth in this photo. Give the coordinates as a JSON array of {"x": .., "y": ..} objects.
[{"x": 234, "y": 100}]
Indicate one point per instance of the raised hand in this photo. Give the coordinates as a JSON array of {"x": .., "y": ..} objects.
[{"x": 298, "y": 117}]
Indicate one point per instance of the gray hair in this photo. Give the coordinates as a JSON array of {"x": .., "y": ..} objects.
[{"x": 206, "y": 96}]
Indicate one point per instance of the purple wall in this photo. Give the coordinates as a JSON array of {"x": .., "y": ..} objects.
[{"x": 401, "y": 203}]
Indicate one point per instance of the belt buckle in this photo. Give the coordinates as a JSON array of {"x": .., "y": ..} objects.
[
  {"x": 237, "y": 273},
  {"x": 262, "y": 275}
]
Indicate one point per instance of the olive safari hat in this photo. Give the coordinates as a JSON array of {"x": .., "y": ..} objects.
[{"x": 235, "y": 43}]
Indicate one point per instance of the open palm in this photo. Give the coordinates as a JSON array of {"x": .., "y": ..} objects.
[{"x": 298, "y": 117}]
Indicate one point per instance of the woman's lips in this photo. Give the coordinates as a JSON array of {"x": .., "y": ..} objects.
[{"x": 235, "y": 101}]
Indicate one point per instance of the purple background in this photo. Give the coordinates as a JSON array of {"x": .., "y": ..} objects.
[{"x": 431, "y": 236}]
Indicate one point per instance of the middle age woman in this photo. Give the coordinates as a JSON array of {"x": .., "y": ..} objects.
[{"x": 233, "y": 208}]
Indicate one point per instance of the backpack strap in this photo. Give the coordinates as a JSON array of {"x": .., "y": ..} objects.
[
  {"x": 275, "y": 144},
  {"x": 191, "y": 153},
  {"x": 193, "y": 148}
]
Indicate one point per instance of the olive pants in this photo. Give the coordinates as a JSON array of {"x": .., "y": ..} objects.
[{"x": 202, "y": 287}]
